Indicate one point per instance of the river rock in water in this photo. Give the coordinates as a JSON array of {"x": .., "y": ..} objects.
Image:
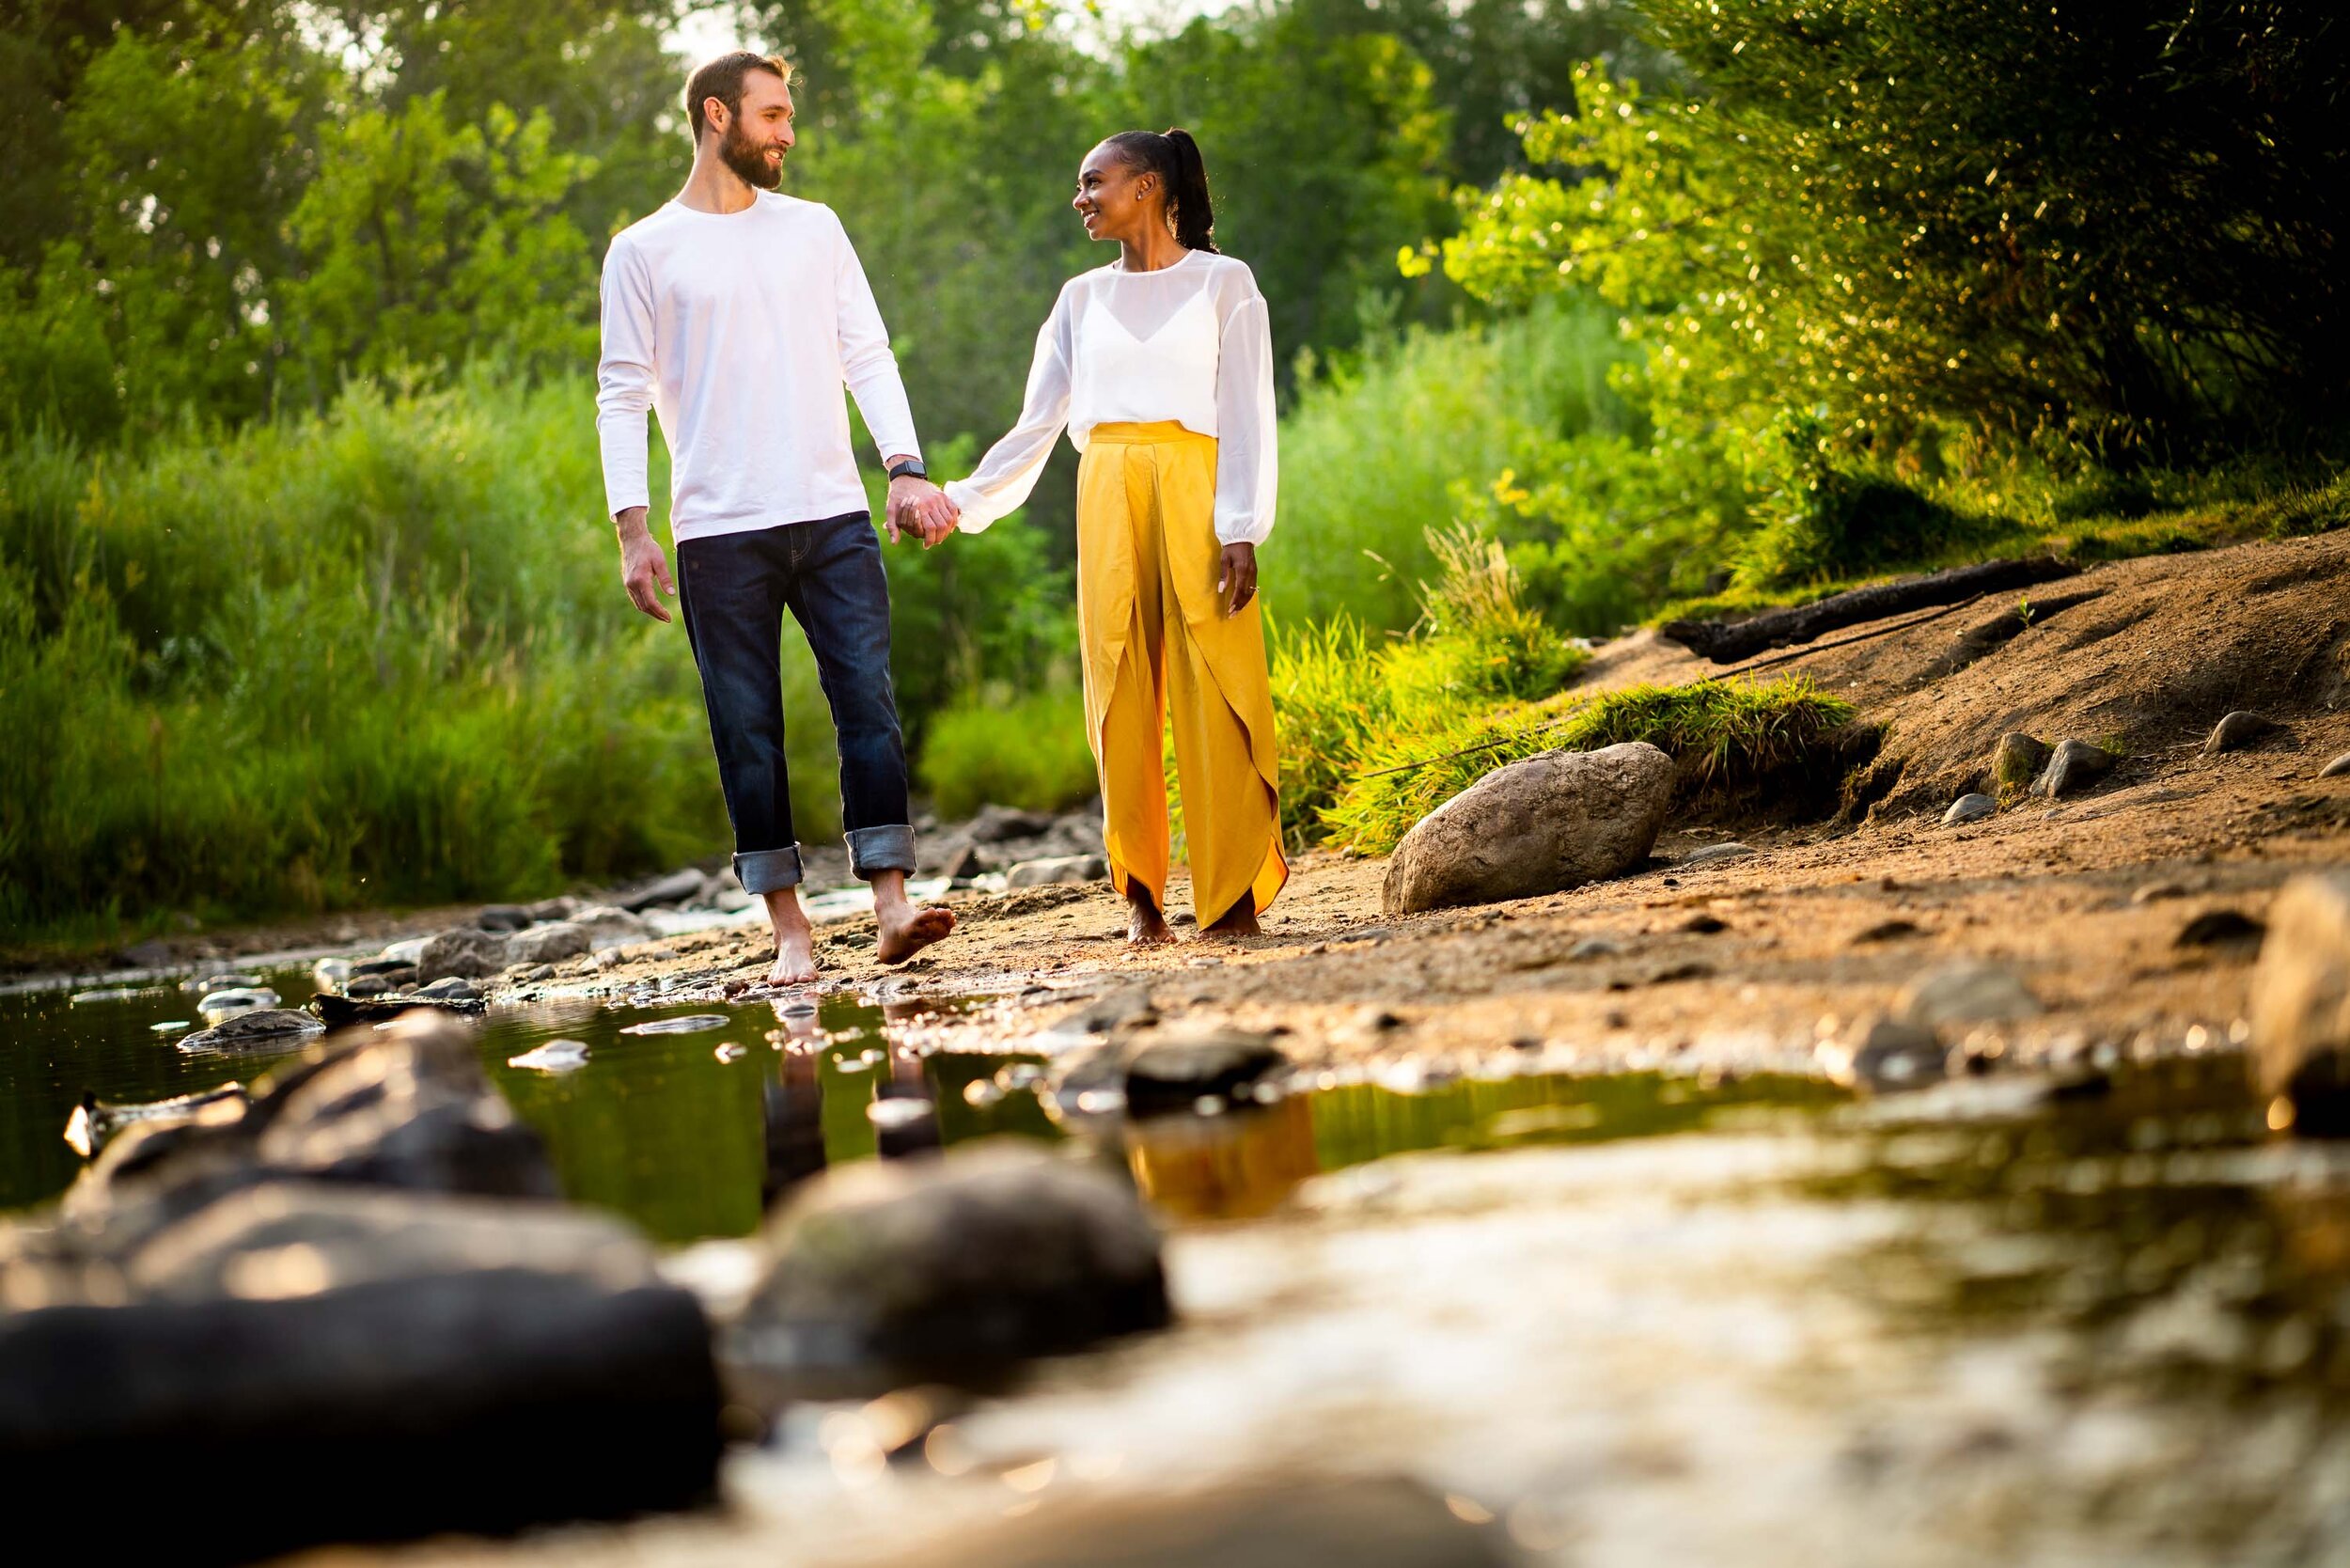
[
  {"x": 1174, "y": 1074},
  {"x": 945, "y": 1269},
  {"x": 254, "y": 1027},
  {"x": 1551, "y": 822},
  {"x": 2300, "y": 1004},
  {"x": 395, "y": 1365}
]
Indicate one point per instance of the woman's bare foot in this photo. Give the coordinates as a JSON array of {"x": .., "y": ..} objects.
[
  {"x": 1239, "y": 920},
  {"x": 906, "y": 929},
  {"x": 795, "y": 941},
  {"x": 1146, "y": 926}
]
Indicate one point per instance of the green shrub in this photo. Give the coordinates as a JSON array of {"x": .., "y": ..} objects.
[{"x": 1030, "y": 752}]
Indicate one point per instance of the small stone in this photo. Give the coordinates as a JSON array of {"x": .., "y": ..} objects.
[
  {"x": 1970, "y": 808},
  {"x": 556, "y": 1056},
  {"x": 1710, "y": 853},
  {"x": 678, "y": 888},
  {"x": 691, "y": 1023},
  {"x": 1129, "y": 1006},
  {"x": 2220, "y": 928},
  {"x": 226, "y": 1004},
  {"x": 2154, "y": 892},
  {"x": 1595, "y": 946},
  {"x": 253, "y": 1027},
  {"x": 1886, "y": 931},
  {"x": 502, "y": 918},
  {"x": 1704, "y": 925},
  {"x": 451, "y": 988},
  {"x": 2016, "y": 761},
  {"x": 2335, "y": 768},
  {"x": 1058, "y": 869},
  {"x": 2239, "y": 730},
  {"x": 2074, "y": 767},
  {"x": 1967, "y": 991}
]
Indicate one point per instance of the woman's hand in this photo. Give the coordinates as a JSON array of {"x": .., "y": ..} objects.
[{"x": 1237, "y": 584}]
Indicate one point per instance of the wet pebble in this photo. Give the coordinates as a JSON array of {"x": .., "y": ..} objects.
[
  {"x": 556, "y": 1056},
  {"x": 693, "y": 1023}
]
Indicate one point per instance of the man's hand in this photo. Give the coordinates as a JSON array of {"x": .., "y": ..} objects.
[
  {"x": 919, "y": 507},
  {"x": 644, "y": 568},
  {"x": 1237, "y": 582}
]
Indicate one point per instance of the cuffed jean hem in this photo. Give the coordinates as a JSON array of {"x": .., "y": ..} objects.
[
  {"x": 879, "y": 849},
  {"x": 768, "y": 871}
]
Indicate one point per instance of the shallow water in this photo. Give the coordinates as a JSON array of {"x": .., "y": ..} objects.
[{"x": 692, "y": 1134}]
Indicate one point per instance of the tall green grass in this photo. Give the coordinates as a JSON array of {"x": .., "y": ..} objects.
[
  {"x": 1375, "y": 454},
  {"x": 376, "y": 656},
  {"x": 1029, "y": 751}
]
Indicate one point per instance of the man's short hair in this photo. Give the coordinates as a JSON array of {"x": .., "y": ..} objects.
[{"x": 722, "y": 79}]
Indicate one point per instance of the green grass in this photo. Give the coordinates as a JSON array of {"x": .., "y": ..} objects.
[
  {"x": 1029, "y": 752},
  {"x": 1726, "y": 737},
  {"x": 1377, "y": 454}
]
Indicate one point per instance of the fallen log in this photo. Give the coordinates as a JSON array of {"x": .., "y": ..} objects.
[{"x": 1727, "y": 642}]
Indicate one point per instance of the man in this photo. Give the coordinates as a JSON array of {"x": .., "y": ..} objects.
[{"x": 738, "y": 314}]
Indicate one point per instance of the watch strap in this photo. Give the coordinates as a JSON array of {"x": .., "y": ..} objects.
[{"x": 910, "y": 470}]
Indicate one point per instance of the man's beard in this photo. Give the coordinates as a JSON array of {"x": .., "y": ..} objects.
[{"x": 750, "y": 162}]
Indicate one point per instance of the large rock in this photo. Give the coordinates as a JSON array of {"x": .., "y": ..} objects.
[
  {"x": 549, "y": 943},
  {"x": 945, "y": 1269},
  {"x": 395, "y": 1365},
  {"x": 2300, "y": 1003},
  {"x": 1549, "y": 822},
  {"x": 465, "y": 951}
]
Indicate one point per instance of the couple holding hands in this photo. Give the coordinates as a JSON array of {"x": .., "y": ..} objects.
[{"x": 739, "y": 314}]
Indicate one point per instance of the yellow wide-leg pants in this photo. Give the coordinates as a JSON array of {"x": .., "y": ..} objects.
[{"x": 1157, "y": 643}]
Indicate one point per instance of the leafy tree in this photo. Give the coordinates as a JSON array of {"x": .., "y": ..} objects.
[{"x": 2027, "y": 221}]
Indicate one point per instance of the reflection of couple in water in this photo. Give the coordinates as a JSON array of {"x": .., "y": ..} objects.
[{"x": 738, "y": 315}]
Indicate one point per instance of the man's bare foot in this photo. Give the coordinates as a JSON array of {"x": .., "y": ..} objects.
[
  {"x": 906, "y": 929},
  {"x": 1239, "y": 920},
  {"x": 1146, "y": 926},
  {"x": 795, "y": 942}
]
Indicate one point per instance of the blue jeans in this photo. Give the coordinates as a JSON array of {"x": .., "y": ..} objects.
[{"x": 734, "y": 589}]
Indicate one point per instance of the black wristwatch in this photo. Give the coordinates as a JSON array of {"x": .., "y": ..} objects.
[{"x": 910, "y": 470}]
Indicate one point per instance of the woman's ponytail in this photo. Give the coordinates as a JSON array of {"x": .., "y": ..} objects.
[
  {"x": 1187, "y": 193},
  {"x": 1174, "y": 157}
]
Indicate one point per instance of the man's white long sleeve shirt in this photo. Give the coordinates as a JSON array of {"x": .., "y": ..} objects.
[{"x": 739, "y": 331}]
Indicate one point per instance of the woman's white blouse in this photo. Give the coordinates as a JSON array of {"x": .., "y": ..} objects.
[{"x": 1190, "y": 342}]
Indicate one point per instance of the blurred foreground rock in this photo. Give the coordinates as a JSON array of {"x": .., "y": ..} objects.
[
  {"x": 2301, "y": 1003},
  {"x": 1549, "y": 822},
  {"x": 945, "y": 1269},
  {"x": 1354, "y": 1524},
  {"x": 352, "y": 1290}
]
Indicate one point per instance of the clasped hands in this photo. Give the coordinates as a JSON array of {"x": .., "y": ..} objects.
[{"x": 920, "y": 508}]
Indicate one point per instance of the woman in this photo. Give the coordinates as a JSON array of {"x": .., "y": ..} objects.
[{"x": 1161, "y": 366}]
